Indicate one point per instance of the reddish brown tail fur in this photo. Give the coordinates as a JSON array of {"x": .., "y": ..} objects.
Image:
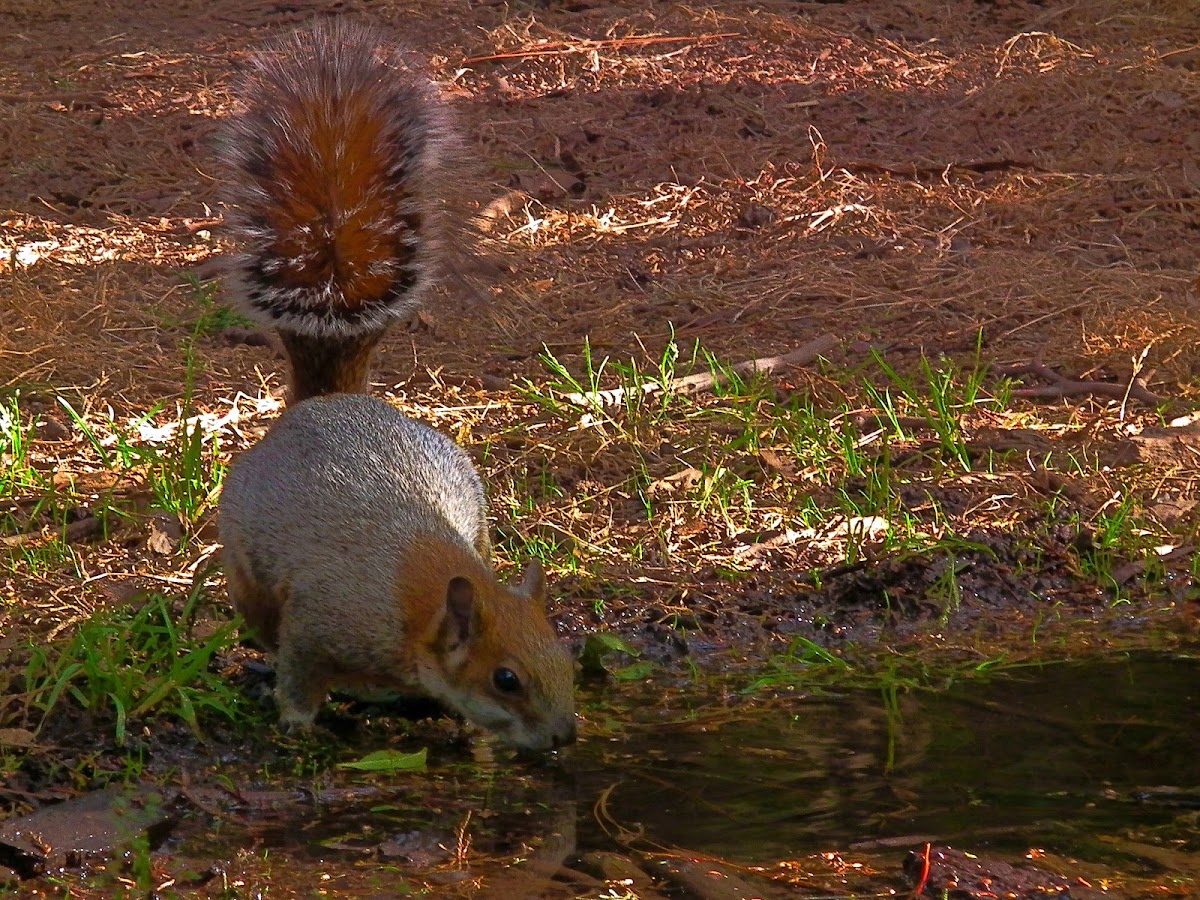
[
  {"x": 334, "y": 181},
  {"x": 329, "y": 365}
]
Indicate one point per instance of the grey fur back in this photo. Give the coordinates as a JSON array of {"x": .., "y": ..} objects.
[{"x": 336, "y": 479}]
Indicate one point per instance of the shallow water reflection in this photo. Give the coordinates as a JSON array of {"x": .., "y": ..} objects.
[
  {"x": 1094, "y": 763},
  {"x": 1062, "y": 755}
]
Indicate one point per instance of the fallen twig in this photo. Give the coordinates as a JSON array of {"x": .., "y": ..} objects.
[
  {"x": 915, "y": 170},
  {"x": 924, "y": 879},
  {"x": 559, "y": 47},
  {"x": 707, "y": 381},
  {"x": 63, "y": 99},
  {"x": 1061, "y": 387},
  {"x": 1067, "y": 388},
  {"x": 1129, "y": 571},
  {"x": 72, "y": 532}
]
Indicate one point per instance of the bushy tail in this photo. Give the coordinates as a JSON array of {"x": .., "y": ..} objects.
[{"x": 334, "y": 179}]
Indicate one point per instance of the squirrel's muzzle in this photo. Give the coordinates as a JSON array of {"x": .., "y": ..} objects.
[{"x": 564, "y": 736}]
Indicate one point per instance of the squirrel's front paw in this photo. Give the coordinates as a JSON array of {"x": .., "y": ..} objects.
[{"x": 295, "y": 721}]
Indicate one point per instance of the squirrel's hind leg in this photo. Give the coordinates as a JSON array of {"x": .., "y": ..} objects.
[
  {"x": 302, "y": 678},
  {"x": 299, "y": 690},
  {"x": 256, "y": 603}
]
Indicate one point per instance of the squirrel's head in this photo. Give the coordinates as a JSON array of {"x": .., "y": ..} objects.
[{"x": 495, "y": 659}]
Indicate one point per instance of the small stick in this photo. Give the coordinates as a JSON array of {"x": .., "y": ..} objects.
[
  {"x": 560, "y": 47},
  {"x": 1134, "y": 379},
  {"x": 64, "y": 99},
  {"x": 73, "y": 532},
  {"x": 924, "y": 879},
  {"x": 1125, "y": 573},
  {"x": 1061, "y": 387},
  {"x": 914, "y": 170},
  {"x": 1067, "y": 388},
  {"x": 707, "y": 381}
]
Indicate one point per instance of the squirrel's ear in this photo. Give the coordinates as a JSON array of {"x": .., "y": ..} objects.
[
  {"x": 460, "y": 613},
  {"x": 533, "y": 583}
]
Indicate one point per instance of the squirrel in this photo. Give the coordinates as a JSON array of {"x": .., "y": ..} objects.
[
  {"x": 355, "y": 538},
  {"x": 356, "y": 546}
]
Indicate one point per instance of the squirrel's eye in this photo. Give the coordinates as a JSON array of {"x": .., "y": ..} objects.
[{"x": 506, "y": 681}]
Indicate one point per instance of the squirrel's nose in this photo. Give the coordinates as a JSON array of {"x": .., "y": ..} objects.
[{"x": 565, "y": 737}]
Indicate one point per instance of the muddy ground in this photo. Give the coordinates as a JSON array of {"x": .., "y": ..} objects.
[{"x": 1006, "y": 187}]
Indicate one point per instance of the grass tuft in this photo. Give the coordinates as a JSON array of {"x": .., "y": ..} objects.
[{"x": 136, "y": 662}]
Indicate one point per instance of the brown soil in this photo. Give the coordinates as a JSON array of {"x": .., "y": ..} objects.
[
  {"x": 914, "y": 178},
  {"x": 902, "y": 176}
]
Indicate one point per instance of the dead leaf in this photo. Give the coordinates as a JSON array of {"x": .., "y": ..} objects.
[
  {"x": 776, "y": 462},
  {"x": 685, "y": 479},
  {"x": 16, "y": 737},
  {"x": 165, "y": 533}
]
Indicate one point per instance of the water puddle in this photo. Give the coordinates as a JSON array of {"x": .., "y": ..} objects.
[
  {"x": 1085, "y": 776},
  {"x": 1058, "y": 756}
]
